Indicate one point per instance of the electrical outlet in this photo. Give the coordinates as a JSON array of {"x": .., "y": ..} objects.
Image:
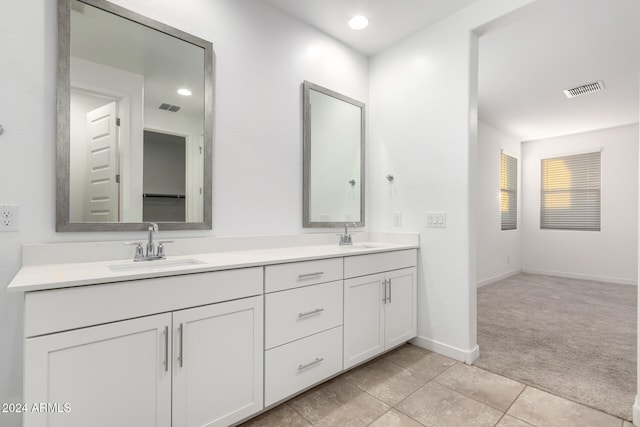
[
  {"x": 9, "y": 218},
  {"x": 397, "y": 219}
]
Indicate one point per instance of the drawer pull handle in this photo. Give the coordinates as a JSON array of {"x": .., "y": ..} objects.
[
  {"x": 310, "y": 364},
  {"x": 310, "y": 313},
  {"x": 310, "y": 275}
]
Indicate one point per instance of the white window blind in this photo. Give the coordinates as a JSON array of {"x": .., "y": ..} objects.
[
  {"x": 508, "y": 192},
  {"x": 570, "y": 192}
]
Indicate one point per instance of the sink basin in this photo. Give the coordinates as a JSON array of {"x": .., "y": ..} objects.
[
  {"x": 154, "y": 265},
  {"x": 360, "y": 246}
]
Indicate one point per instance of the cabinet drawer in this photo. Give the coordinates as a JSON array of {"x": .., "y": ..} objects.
[
  {"x": 293, "y": 275},
  {"x": 361, "y": 265},
  {"x": 297, "y": 313},
  {"x": 293, "y": 367}
]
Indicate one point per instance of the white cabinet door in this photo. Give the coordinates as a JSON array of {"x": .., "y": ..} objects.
[
  {"x": 110, "y": 375},
  {"x": 217, "y": 363},
  {"x": 400, "y": 308},
  {"x": 380, "y": 312},
  {"x": 363, "y": 318}
]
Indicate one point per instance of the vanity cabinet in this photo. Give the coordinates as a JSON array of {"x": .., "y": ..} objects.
[
  {"x": 379, "y": 308},
  {"x": 210, "y": 348},
  {"x": 197, "y": 366}
]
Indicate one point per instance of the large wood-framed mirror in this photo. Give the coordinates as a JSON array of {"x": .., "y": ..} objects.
[
  {"x": 333, "y": 158},
  {"x": 135, "y": 121}
]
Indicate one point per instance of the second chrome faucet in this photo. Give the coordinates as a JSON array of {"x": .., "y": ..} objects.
[{"x": 345, "y": 239}]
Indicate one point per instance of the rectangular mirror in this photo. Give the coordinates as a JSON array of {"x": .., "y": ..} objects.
[
  {"x": 135, "y": 101},
  {"x": 333, "y": 151}
]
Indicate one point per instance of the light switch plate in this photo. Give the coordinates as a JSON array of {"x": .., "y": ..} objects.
[{"x": 436, "y": 219}]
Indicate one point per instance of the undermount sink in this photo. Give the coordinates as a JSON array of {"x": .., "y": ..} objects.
[
  {"x": 154, "y": 265},
  {"x": 360, "y": 246}
]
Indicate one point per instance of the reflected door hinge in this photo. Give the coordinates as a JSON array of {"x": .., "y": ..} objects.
[
  {"x": 117, "y": 121},
  {"x": 200, "y": 190},
  {"x": 200, "y": 149},
  {"x": 117, "y": 178}
]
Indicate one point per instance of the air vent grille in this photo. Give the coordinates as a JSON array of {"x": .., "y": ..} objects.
[
  {"x": 584, "y": 89},
  {"x": 169, "y": 107}
]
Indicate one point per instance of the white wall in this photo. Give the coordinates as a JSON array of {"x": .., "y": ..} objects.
[
  {"x": 422, "y": 91},
  {"x": 498, "y": 251},
  {"x": 608, "y": 255},
  {"x": 262, "y": 57}
]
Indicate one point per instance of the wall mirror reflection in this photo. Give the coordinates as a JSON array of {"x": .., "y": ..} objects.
[
  {"x": 333, "y": 167},
  {"x": 134, "y": 121}
]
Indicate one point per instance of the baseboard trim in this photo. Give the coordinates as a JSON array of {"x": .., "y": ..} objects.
[
  {"x": 617, "y": 280},
  {"x": 466, "y": 356},
  {"x": 636, "y": 411},
  {"x": 497, "y": 278}
]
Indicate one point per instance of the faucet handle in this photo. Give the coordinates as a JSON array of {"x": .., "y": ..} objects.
[
  {"x": 139, "y": 249},
  {"x": 160, "y": 252}
]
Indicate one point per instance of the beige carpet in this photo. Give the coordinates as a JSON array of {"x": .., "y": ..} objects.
[{"x": 572, "y": 338}]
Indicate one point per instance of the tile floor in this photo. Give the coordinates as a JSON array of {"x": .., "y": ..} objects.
[{"x": 411, "y": 387}]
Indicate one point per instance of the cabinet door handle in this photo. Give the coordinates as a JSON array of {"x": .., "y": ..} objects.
[
  {"x": 389, "y": 282},
  {"x": 181, "y": 354},
  {"x": 310, "y": 364},
  {"x": 312, "y": 312},
  {"x": 384, "y": 283},
  {"x": 310, "y": 275},
  {"x": 166, "y": 349}
]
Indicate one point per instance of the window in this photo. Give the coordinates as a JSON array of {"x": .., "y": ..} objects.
[
  {"x": 508, "y": 192},
  {"x": 570, "y": 192}
]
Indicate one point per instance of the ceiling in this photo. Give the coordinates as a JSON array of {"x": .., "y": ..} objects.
[
  {"x": 524, "y": 64},
  {"x": 389, "y": 20}
]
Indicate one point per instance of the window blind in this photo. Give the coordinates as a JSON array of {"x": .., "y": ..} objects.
[
  {"x": 570, "y": 192},
  {"x": 508, "y": 192}
]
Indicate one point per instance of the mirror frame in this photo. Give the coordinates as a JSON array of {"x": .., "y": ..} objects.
[
  {"x": 63, "y": 122},
  {"x": 306, "y": 166}
]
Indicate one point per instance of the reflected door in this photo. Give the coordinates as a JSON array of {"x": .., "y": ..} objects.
[{"x": 102, "y": 163}]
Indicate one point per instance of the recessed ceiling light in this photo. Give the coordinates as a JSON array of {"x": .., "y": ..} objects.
[
  {"x": 184, "y": 92},
  {"x": 358, "y": 22}
]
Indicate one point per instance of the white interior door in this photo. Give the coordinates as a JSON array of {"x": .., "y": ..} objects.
[{"x": 102, "y": 163}]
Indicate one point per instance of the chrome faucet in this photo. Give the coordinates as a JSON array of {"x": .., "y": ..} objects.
[
  {"x": 153, "y": 228},
  {"x": 345, "y": 239},
  {"x": 151, "y": 253}
]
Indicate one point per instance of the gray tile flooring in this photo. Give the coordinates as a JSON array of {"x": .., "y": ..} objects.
[{"x": 413, "y": 387}]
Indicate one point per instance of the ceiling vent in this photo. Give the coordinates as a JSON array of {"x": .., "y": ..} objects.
[
  {"x": 169, "y": 107},
  {"x": 584, "y": 89}
]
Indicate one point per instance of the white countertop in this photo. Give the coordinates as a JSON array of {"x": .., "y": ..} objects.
[{"x": 54, "y": 276}]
